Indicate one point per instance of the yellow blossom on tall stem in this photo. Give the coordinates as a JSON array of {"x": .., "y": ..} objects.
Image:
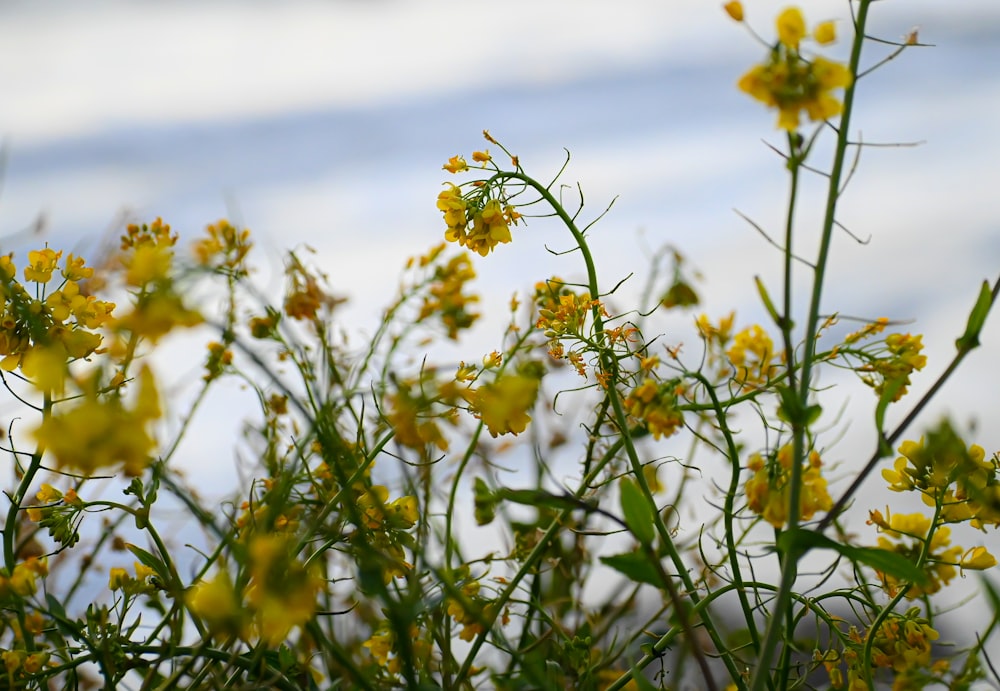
[{"x": 792, "y": 83}]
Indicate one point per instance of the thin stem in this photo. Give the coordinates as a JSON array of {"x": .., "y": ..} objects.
[{"x": 789, "y": 571}]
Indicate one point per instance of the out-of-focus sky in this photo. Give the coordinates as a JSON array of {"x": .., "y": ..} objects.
[{"x": 326, "y": 122}]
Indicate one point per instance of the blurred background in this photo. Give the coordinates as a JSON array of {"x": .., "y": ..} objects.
[{"x": 326, "y": 123}]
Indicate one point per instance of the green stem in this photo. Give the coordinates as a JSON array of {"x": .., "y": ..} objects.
[{"x": 789, "y": 570}]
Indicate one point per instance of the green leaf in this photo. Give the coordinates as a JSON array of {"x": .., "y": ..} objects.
[
  {"x": 768, "y": 304},
  {"x": 638, "y": 513},
  {"x": 977, "y": 318},
  {"x": 635, "y": 566},
  {"x": 800, "y": 541},
  {"x": 541, "y": 498},
  {"x": 642, "y": 683}
]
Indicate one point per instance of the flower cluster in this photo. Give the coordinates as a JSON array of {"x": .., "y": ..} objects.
[
  {"x": 753, "y": 357},
  {"x": 446, "y": 296},
  {"x": 416, "y": 408},
  {"x": 949, "y": 474},
  {"x": 768, "y": 488},
  {"x": 41, "y": 333},
  {"x": 914, "y": 536},
  {"x": 563, "y": 314},
  {"x": 280, "y": 595},
  {"x": 224, "y": 248},
  {"x": 475, "y": 222},
  {"x": 891, "y": 371},
  {"x": 59, "y": 513},
  {"x": 790, "y": 82},
  {"x": 503, "y": 404},
  {"x": 147, "y": 257},
  {"x": 901, "y": 643},
  {"x": 102, "y": 431},
  {"x": 655, "y": 404},
  {"x": 305, "y": 297}
]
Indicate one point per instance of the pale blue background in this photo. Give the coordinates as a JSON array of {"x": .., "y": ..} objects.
[{"x": 326, "y": 123}]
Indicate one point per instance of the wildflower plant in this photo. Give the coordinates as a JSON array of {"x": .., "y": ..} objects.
[{"x": 353, "y": 553}]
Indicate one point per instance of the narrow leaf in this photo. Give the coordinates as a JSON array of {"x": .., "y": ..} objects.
[
  {"x": 801, "y": 541},
  {"x": 638, "y": 513},
  {"x": 635, "y": 566},
  {"x": 977, "y": 318}
]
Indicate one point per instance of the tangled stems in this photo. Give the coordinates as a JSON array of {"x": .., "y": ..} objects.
[
  {"x": 777, "y": 625},
  {"x": 610, "y": 366}
]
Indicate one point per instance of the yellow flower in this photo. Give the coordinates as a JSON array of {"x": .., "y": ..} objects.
[
  {"x": 446, "y": 297},
  {"x": 148, "y": 264},
  {"x": 282, "y": 591},
  {"x": 503, "y": 404},
  {"x": 47, "y": 494},
  {"x": 380, "y": 645},
  {"x": 23, "y": 580},
  {"x": 768, "y": 492},
  {"x": 41, "y": 264},
  {"x": 215, "y": 602},
  {"x": 100, "y": 431},
  {"x": 117, "y": 578},
  {"x": 734, "y": 9},
  {"x": 456, "y": 164},
  {"x": 788, "y": 82},
  {"x": 978, "y": 559},
  {"x": 791, "y": 27},
  {"x": 752, "y": 354},
  {"x": 143, "y": 572},
  {"x": 825, "y": 33},
  {"x": 76, "y": 269},
  {"x": 655, "y": 404},
  {"x": 481, "y": 156},
  {"x": 46, "y": 367}
]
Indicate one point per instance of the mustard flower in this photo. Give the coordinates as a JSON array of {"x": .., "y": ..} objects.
[
  {"x": 380, "y": 645},
  {"x": 282, "y": 592},
  {"x": 977, "y": 559},
  {"x": 503, "y": 404},
  {"x": 903, "y": 643},
  {"x": 768, "y": 490},
  {"x": 118, "y": 578},
  {"x": 907, "y": 534},
  {"x": 490, "y": 227},
  {"x": 101, "y": 431},
  {"x": 156, "y": 233},
  {"x": 447, "y": 298},
  {"x": 224, "y": 247},
  {"x": 41, "y": 264},
  {"x": 453, "y": 205},
  {"x": 825, "y": 33},
  {"x": 790, "y": 83},
  {"x": 655, "y": 404},
  {"x": 456, "y": 164},
  {"x": 949, "y": 474},
  {"x": 217, "y": 604},
  {"x": 791, "y": 27},
  {"x": 752, "y": 355}
]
